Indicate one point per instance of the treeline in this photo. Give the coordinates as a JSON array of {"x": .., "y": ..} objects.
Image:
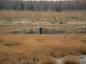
[{"x": 42, "y": 5}]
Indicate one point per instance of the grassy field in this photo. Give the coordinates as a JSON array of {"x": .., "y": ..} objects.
[
  {"x": 48, "y": 17},
  {"x": 46, "y": 29},
  {"x": 36, "y": 49},
  {"x": 51, "y": 21},
  {"x": 64, "y": 36}
]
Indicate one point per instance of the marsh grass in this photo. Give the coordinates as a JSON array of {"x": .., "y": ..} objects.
[
  {"x": 49, "y": 16},
  {"x": 9, "y": 43}
]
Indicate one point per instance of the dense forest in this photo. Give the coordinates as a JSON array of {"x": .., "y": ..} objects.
[{"x": 42, "y": 5}]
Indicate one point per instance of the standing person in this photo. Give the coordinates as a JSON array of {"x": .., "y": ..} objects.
[{"x": 40, "y": 30}]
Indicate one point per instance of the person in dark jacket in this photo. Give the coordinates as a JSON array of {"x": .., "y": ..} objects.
[{"x": 40, "y": 30}]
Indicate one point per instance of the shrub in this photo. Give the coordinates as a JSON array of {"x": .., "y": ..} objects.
[
  {"x": 8, "y": 19},
  {"x": 14, "y": 32}
]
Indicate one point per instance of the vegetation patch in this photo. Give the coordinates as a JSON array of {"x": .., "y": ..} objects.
[{"x": 9, "y": 43}]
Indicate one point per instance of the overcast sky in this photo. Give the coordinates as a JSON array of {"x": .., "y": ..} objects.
[
  {"x": 47, "y": 0},
  {"x": 36, "y": 0}
]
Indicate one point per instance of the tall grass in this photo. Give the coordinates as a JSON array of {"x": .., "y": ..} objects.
[{"x": 49, "y": 16}]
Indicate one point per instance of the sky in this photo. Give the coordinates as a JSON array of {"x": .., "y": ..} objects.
[
  {"x": 47, "y": 0},
  {"x": 37, "y": 0}
]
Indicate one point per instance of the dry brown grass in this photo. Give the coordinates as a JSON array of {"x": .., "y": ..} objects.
[
  {"x": 37, "y": 49},
  {"x": 71, "y": 60},
  {"x": 47, "y": 61},
  {"x": 59, "y": 42}
]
